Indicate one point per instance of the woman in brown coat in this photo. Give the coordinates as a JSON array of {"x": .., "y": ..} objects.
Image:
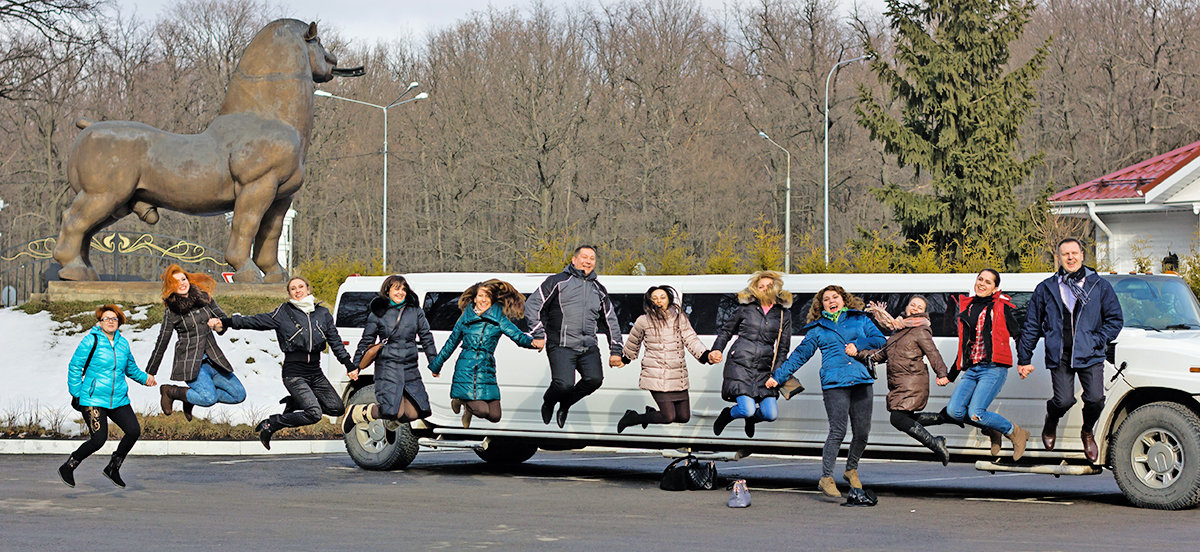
[
  {"x": 907, "y": 376},
  {"x": 667, "y": 335}
]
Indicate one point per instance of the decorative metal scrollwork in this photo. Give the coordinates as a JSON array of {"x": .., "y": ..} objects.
[{"x": 119, "y": 242}]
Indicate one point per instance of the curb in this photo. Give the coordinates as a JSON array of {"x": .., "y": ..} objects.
[{"x": 173, "y": 448}]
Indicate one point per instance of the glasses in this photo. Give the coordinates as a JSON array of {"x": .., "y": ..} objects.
[{"x": 109, "y": 319}]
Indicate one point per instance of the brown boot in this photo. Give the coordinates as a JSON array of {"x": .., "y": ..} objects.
[
  {"x": 170, "y": 394},
  {"x": 1018, "y": 436},
  {"x": 994, "y": 436},
  {"x": 1089, "y": 446},
  {"x": 828, "y": 487},
  {"x": 851, "y": 477},
  {"x": 165, "y": 399},
  {"x": 1049, "y": 432}
]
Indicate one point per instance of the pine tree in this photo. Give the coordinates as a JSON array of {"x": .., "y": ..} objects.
[{"x": 959, "y": 117}]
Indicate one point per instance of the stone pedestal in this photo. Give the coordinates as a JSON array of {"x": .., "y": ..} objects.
[{"x": 141, "y": 293}]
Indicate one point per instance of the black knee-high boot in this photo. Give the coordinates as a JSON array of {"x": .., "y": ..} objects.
[
  {"x": 113, "y": 470},
  {"x": 937, "y": 418},
  {"x": 67, "y": 471},
  {"x": 936, "y": 444}
]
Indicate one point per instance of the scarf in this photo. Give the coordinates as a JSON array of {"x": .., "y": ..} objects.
[
  {"x": 1070, "y": 287},
  {"x": 306, "y": 305},
  {"x": 396, "y": 305},
  {"x": 834, "y": 316}
]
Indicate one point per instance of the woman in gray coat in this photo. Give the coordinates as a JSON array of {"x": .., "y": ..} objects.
[{"x": 396, "y": 320}]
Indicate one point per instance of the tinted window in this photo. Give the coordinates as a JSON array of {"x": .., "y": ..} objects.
[
  {"x": 801, "y": 302},
  {"x": 353, "y": 308},
  {"x": 708, "y": 311},
  {"x": 628, "y": 307},
  {"x": 441, "y": 309},
  {"x": 942, "y": 308}
]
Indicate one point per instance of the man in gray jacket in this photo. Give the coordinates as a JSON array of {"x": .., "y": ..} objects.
[{"x": 564, "y": 315}]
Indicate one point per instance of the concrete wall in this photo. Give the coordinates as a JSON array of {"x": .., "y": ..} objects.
[{"x": 1157, "y": 233}]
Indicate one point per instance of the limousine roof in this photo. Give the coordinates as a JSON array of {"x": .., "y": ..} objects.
[{"x": 715, "y": 283}]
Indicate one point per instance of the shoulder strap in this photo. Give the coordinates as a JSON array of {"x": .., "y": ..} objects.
[
  {"x": 95, "y": 341},
  {"x": 779, "y": 336}
]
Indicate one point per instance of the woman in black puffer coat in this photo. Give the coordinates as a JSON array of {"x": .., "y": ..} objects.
[
  {"x": 396, "y": 319},
  {"x": 763, "y": 324}
]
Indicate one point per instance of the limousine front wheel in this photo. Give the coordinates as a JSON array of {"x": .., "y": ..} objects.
[
  {"x": 1156, "y": 457},
  {"x": 501, "y": 450},
  {"x": 376, "y": 445}
]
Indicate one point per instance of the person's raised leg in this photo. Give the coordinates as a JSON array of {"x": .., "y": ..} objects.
[{"x": 201, "y": 391}]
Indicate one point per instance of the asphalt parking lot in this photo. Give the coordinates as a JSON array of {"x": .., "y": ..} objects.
[{"x": 591, "y": 500}]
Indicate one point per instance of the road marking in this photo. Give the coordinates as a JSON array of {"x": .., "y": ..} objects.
[
  {"x": 1030, "y": 500},
  {"x": 739, "y": 468},
  {"x": 931, "y": 479}
]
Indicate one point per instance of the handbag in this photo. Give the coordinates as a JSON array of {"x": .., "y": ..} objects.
[
  {"x": 792, "y": 386},
  {"x": 689, "y": 474},
  {"x": 373, "y": 351},
  {"x": 75, "y": 400}
]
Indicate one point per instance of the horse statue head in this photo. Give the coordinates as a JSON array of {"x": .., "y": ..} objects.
[{"x": 250, "y": 159}]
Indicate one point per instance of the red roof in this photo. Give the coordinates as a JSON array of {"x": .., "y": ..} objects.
[{"x": 1132, "y": 181}]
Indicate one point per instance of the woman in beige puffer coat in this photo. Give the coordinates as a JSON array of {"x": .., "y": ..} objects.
[{"x": 667, "y": 335}]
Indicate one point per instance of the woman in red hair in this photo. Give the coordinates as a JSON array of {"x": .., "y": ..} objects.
[{"x": 198, "y": 361}]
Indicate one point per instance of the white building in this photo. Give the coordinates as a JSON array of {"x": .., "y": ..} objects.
[{"x": 1152, "y": 207}]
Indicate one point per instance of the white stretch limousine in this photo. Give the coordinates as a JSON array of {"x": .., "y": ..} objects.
[{"x": 1149, "y": 433}]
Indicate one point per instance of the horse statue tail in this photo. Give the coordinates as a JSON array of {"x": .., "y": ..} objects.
[{"x": 84, "y": 123}]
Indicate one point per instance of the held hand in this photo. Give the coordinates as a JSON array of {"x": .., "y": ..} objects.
[
  {"x": 214, "y": 324},
  {"x": 1025, "y": 370},
  {"x": 353, "y": 375},
  {"x": 942, "y": 382},
  {"x": 851, "y": 349},
  {"x": 151, "y": 382},
  {"x": 714, "y": 357},
  {"x": 771, "y": 383},
  {"x": 539, "y": 344},
  {"x": 436, "y": 374},
  {"x": 615, "y": 361}
]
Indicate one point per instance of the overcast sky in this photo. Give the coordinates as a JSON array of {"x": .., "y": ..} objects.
[{"x": 372, "y": 20}]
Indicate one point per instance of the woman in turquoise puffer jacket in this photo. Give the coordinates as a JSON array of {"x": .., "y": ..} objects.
[
  {"x": 838, "y": 329},
  {"x": 487, "y": 308},
  {"x": 96, "y": 376}
]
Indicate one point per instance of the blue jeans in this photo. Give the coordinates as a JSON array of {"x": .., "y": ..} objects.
[
  {"x": 212, "y": 386},
  {"x": 766, "y": 410},
  {"x": 974, "y": 392}
]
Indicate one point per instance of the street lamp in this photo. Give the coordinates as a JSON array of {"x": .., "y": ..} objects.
[
  {"x": 787, "y": 214},
  {"x": 385, "y": 109},
  {"x": 831, "y": 71}
]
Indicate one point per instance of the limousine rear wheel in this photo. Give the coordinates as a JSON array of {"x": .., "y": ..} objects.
[
  {"x": 1156, "y": 457},
  {"x": 373, "y": 446},
  {"x": 502, "y": 450}
]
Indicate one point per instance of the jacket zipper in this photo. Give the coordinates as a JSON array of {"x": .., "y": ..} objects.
[{"x": 308, "y": 353}]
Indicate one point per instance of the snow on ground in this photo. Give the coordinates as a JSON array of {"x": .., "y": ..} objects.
[{"x": 35, "y": 351}]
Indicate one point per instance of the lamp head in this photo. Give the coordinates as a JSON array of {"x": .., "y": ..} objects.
[
  {"x": 322, "y": 93},
  {"x": 764, "y": 135},
  {"x": 412, "y": 85},
  {"x": 421, "y": 96}
]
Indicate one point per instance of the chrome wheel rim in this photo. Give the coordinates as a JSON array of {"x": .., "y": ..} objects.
[{"x": 1157, "y": 458}]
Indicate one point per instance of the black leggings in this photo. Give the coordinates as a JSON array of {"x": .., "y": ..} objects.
[
  {"x": 97, "y": 418},
  {"x": 488, "y": 410},
  {"x": 673, "y": 406}
]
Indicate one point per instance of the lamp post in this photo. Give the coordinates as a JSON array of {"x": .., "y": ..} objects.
[
  {"x": 385, "y": 109},
  {"x": 787, "y": 209},
  {"x": 827, "y": 78}
]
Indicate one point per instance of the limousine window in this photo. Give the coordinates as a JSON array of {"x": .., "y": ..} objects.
[
  {"x": 707, "y": 312},
  {"x": 942, "y": 308},
  {"x": 628, "y": 307},
  {"x": 441, "y": 309},
  {"x": 353, "y": 308}
]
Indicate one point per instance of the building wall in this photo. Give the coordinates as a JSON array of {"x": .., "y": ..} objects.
[{"x": 1155, "y": 233}]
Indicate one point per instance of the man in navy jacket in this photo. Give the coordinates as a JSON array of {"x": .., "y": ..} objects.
[{"x": 1077, "y": 312}]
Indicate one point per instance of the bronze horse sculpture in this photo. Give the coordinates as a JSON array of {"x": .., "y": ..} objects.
[{"x": 249, "y": 160}]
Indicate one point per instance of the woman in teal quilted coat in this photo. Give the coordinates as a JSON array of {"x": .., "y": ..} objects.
[{"x": 487, "y": 309}]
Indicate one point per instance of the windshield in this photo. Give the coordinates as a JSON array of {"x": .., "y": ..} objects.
[{"x": 1156, "y": 303}]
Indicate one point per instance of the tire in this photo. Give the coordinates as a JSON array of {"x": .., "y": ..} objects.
[
  {"x": 374, "y": 447},
  {"x": 504, "y": 451},
  {"x": 1156, "y": 457}
]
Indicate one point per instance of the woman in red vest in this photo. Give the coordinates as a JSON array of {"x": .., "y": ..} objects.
[{"x": 986, "y": 326}]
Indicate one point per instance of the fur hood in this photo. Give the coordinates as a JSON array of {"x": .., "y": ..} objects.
[
  {"x": 183, "y": 305},
  {"x": 750, "y": 295}
]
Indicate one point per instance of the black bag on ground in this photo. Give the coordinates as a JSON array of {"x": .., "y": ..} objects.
[{"x": 689, "y": 474}]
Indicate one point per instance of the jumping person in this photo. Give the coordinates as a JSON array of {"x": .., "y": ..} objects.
[
  {"x": 396, "y": 320},
  {"x": 907, "y": 376},
  {"x": 839, "y": 330},
  {"x": 1078, "y": 313},
  {"x": 198, "y": 360},
  {"x": 96, "y": 376},
  {"x": 563, "y": 315},
  {"x": 303, "y": 329},
  {"x": 487, "y": 309},
  {"x": 667, "y": 335},
  {"x": 986, "y": 326},
  {"x": 762, "y": 323}
]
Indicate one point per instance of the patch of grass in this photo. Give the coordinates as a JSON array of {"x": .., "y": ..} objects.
[
  {"x": 82, "y": 313},
  {"x": 32, "y": 421}
]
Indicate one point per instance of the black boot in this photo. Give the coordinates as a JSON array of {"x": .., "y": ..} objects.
[
  {"x": 647, "y": 417},
  {"x": 750, "y": 422},
  {"x": 936, "y": 444},
  {"x": 722, "y": 420},
  {"x": 937, "y": 418},
  {"x": 631, "y": 417},
  {"x": 289, "y": 404},
  {"x": 265, "y": 429},
  {"x": 67, "y": 471},
  {"x": 113, "y": 470}
]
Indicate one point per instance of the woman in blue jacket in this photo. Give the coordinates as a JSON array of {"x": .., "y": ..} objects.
[
  {"x": 96, "y": 376},
  {"x": 839, "y": 329},
  {"x": 487, "y": 309}
]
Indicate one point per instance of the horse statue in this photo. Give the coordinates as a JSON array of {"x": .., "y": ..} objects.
[{"x": 249, "y": 160}]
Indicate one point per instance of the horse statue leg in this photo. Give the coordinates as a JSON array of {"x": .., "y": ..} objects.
[
  {"x": 87, "y": 214},
  {"x": 251, "y": 205},
  {"x": 266, "y": 242}
]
